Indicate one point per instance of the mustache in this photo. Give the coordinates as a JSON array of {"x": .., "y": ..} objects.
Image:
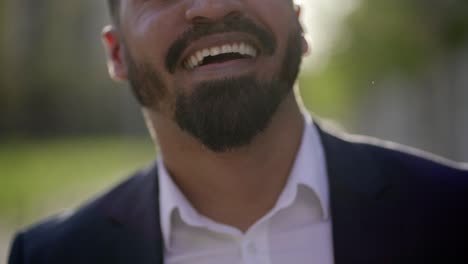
[{"x": 228, "y": 24}]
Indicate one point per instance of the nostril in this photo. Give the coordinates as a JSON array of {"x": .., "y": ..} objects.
[
  {"x": 201, "y": 20},
  {"x": 212, "y": 10},
  {"x": 233, "y": 15}
]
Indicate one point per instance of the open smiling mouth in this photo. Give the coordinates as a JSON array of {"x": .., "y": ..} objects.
[{"x": 220, "y": 54}]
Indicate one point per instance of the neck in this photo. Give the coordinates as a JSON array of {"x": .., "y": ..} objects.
[{"x": 238, "y": 187}]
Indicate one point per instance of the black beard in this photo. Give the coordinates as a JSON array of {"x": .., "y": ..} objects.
[
  {"x": 223, "y": 114},
  {"x": 226, "y": 114}
]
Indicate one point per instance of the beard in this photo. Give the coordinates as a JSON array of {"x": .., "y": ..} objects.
[
  {"x": 223, "y": 114},
  {"x": 229, "y": 113}
]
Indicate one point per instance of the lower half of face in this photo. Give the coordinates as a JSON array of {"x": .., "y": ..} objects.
[{"x": 221, "y": 113}]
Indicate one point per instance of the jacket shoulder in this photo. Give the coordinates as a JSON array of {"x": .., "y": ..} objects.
[
  {"x": 394, "y": 154},
  {"x": 417, "y": 204},
  {"x": 78, "y": 236},
  {"x": 414, "y": 172}
]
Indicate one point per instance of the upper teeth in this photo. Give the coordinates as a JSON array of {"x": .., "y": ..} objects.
[{"x": 197, "y": 57}]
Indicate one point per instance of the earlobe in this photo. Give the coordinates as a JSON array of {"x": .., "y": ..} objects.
[
  {"x": 115, "y": 57},
  {"x": 305, "y": 45},
  {"x": 297, "y": 9}
]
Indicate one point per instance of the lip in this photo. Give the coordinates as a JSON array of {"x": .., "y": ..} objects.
[
  {"x": 227, "y": 68},
  {"x": 218, "y": 71},
  {"x": 218, "y": 40}
]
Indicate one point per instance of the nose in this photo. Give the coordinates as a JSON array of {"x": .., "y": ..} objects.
[{"x": 211, "y": 10}]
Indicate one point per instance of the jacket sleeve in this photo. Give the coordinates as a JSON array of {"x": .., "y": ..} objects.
[{"x": 16, "y": 253}]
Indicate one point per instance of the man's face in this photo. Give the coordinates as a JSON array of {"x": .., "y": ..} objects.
[{"x": 218, "y": 68}]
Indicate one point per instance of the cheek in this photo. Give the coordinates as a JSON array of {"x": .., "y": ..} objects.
[
  {"x": 149, "y": 15},
  {"x": 268, "y": 17},
  {"x": 283, "y": 9},
  {"x": 151, "y": 32}
]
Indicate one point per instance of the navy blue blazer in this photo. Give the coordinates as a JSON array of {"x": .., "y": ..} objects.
[{"x": 388, "y": 204}]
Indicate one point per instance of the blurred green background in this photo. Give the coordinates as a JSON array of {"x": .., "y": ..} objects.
[{"x": 395, "y": 69}]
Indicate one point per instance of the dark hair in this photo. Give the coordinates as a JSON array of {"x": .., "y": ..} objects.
[{"x": 114, "y": 6}]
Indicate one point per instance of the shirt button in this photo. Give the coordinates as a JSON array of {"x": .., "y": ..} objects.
[{"x": 251, "y": 248}]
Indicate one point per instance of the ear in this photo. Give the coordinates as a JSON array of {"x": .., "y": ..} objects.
[
  {"x": 297, "y": 9},
  {"x": 116, "y": 64},
  {"x": 305, "y": 43}
]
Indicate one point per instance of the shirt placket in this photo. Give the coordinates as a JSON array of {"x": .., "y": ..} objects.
[{"x": 255, "y": 246}]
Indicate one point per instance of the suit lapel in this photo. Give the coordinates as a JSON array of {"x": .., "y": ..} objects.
[
  {"x": 134, "y": 210},
  {"x": 355, "y": 186}
]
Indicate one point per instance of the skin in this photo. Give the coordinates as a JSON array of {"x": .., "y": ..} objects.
[{"x": 235, "y": 187}]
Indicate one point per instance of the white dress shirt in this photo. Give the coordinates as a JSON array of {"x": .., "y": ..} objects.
[{"x": 296, "y": 230}]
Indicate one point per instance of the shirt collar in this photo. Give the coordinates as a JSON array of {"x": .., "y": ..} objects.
[
  {"x": 308, "y": 170},
  {"x": 171, "y": 198}
]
